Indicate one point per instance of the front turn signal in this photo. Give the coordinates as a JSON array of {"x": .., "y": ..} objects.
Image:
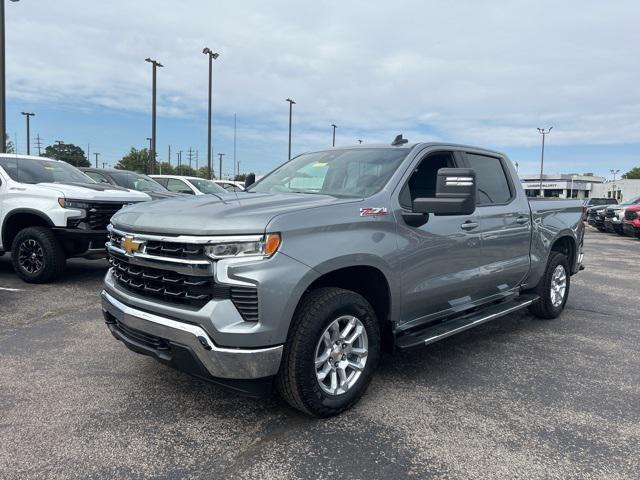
[{"x": 271, "y": 243}]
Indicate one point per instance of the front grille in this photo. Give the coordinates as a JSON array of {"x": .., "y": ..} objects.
[
  {"x": 630, "y": 214},
  {"x": 610, "y": 213},
  {"x": 98, "y": 216},
  {"x": 166, "y": 285},
  {"x": 159, "y": 248}
]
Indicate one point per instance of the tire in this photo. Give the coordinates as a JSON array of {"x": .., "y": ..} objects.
[
  {"x": 297, "y": 381},
  {"x": 601, "y": 229},
  {"x": 42, "y": 243},
  {"x": 544, "y": 307}
]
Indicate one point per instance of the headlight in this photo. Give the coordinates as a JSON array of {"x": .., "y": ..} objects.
[
  {"x": 264, "y": 247},
  {"x": 65, "y": 203}
]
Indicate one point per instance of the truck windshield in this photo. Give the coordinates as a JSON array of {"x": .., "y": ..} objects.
[
  {"x": 135, "y": 181},
  {"x": 29, "y": 170},
  {"x": 357, "y": 172}
]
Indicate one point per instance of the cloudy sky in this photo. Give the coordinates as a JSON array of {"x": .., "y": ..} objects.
[{"x": 478, "y": 72}]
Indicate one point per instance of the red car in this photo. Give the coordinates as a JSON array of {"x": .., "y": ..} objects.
[{"x": 631, "y": 222}]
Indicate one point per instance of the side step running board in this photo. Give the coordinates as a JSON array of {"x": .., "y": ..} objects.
[{"x": 434, "y": 333}]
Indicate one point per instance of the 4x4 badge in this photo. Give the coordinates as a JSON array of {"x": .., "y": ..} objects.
[{"x": 373, "y": 211}]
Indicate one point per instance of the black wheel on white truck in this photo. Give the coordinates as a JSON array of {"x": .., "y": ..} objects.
[{"x": 37, "y": 255}]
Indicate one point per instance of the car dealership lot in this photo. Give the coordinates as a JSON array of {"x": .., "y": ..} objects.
[{"x": 517, "y": 397}]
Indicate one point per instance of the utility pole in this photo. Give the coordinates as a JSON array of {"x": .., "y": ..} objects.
[
  {"x": 190, "y": 156},
  {"x": 220, "y": 155},
  {"x": 212, "y": 56},
  {"x": 152, "y": 148},
  {"x": 28, "y": 115},
  {"x": 544, "y": 133},
  {"x": 39, "y": 145},
  {"x": 169, "y": 156},
  {"x": 234, "y": 144},
  {"x": 291, "y": 102},
  {"x": 3, "y": 90},
  {"x": 89, "y": 153},
  {"x": 104, "y": 164},
  {"x": 179, "y": 161},
  {"x": 613, "y": 186},
  {"x": 97, "y": 155},
  {"x": 334, "y": 134}
]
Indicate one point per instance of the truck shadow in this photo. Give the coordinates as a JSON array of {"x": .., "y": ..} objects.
[{"x": 77, "y": 270}]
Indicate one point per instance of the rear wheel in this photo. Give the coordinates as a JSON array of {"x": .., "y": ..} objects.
[
  {"x": 553, "y": 289},
  {"x": 331, "y": 353},
  {"x": 37, "y": 255}
]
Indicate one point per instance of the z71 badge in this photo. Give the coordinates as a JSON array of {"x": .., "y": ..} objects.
[{"x": 373, "y": 211}]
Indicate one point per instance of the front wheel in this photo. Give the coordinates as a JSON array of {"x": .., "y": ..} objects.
[
  {"x": 331, "y": 353},
  {"x": 37, "y": 255},
  {"x": 553, "y": 289}
]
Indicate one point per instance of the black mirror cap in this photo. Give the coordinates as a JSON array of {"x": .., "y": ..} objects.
[
  {"x": 249, "y": 180},
  {"x": 455, "y": 193}
]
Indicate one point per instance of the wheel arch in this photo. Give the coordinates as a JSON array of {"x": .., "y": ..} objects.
[
  {"x": 567, "y": 245},
  {"x": 21, "y": 218}
]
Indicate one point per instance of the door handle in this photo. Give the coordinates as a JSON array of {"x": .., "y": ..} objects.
[
  {"x": 522, "y": 220},
  {"x": 469, "y": 225}
]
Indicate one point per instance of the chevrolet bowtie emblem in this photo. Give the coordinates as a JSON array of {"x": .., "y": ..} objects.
[{"x": 130, "y": 245}]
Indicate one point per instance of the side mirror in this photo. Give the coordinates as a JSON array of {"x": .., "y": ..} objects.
[
  {"x": 455, "y": 193},
  {"x": 249, "y": 180}
]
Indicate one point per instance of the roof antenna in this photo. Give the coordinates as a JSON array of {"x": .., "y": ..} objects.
[{"x": 399, "y": 140}]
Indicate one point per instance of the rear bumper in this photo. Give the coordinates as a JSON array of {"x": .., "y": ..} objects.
[{"x": 188, "y": 347}]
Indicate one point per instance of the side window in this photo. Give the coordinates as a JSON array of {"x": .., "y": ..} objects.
[
  {"x": 162, "y": 181},
  {"x": 175, "y": 185},
  {"x": 493, "y": 186},
  {"x": 98, "y": 177},
  {"x": 422, "y": 183}
]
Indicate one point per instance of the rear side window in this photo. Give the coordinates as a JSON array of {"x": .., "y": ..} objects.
[
  {"x": 493, "y": 186},
  {"x": 178, "y": 186}
]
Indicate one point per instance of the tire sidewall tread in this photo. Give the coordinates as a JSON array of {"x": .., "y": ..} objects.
[{"x": 54, "y": 256}]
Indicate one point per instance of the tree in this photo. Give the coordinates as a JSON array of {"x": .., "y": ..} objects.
[
  {"x": 10, "y": 147},
  {"x": 166, "y": 169},
  {"x": 185, "y": 170},
  {"x": 240, "y": 178},
  {"x": 634, "y": 173},
  {"x": 202, "y": 172},
  {"x": 69, "y": 153},
  {"x": 136, "y": 161}
]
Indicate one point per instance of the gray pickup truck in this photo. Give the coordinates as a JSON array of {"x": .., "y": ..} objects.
[{"x": 303, "y": 279}]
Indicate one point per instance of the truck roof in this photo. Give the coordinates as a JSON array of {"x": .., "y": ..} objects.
[{"x": 409, "y": 146}]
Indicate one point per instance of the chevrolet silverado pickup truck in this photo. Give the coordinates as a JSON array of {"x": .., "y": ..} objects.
[
  {"x": 302, "y": 279},
  {"x": 50, "y": 211}
]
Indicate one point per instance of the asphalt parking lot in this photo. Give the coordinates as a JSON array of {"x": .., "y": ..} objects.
[{"x": 517, "y": 397}]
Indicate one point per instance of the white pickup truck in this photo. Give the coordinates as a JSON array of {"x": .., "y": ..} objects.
[{"x": 50, "y": 211}]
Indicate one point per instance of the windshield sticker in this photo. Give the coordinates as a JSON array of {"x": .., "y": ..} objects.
[{"x": 373, "y": 211}]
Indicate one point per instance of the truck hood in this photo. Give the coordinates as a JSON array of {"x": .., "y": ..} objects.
[
  {"x": 232, "y": 213},
  {"x": 97, "y": 191}
]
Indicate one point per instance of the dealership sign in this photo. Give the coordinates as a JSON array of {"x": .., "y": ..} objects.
[{"x": 556, "y": 185}]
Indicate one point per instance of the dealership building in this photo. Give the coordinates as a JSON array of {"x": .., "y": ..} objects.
[{"x": 579, "y": 185}]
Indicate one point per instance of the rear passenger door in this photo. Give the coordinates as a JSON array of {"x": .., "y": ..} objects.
[{"x": 504, "y": 224}]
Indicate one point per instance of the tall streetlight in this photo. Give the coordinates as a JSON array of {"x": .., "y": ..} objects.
[
  {"x": 212, "y": 56},
  {"x": 333, "y": 144},
  {"x": 220, "y": 155},
  {"x": 613, "y": 186},
  {"x": 3, "y": 90},
  {"x": 291, "y": 102},
  {"x": 152, "y": 148},
  {"x": 544, "y": 133},
  {"x": 150, "y": 140},
  {"x": 97, "y": 155},
  {"x": 28, "y": 115}
]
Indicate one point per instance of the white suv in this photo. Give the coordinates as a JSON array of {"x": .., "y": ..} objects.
[
  {"x": 188, "y": 185},
  {"x": 50, "y": 211}
]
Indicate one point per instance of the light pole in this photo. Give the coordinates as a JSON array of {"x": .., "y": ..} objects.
[
  {"x": 3, "y": 90},
  {"x": 291, "y": 102},
  {"x": 28, "y": 115},
  {"x": 212, "y": 56},
  {"x": 97, "y": 155},
  {"x": 333, "y": 144},
  {"x": 613, "y": 186},
  {"x": 146, "y": 170},
  {"x": 152, "y": 149},
  {"x": 544, "y": 133},
  {"x": 220, "y": 155}
]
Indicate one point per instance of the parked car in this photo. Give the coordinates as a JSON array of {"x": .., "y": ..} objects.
[
  {"x": 304, "y": 278},
  {"x": 631, "y": 222},
  {"x": 129, "y": 179},
  {"x": 230, "y": 185},
  {"x": 596, "y": 202},
  {"x": 595, "y": 217},
  {"x": 614, "y": 216},
  {"x": 188, "y": 185},
  {"x": 50, "y": 211}
]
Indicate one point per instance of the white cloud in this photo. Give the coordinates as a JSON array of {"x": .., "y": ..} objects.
[{"x": 469, "y": 71}]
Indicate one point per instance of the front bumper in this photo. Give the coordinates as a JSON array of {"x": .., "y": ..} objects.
[
  {"x": 173, "y": 342},
  {"x": 631, "y": 230}
]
